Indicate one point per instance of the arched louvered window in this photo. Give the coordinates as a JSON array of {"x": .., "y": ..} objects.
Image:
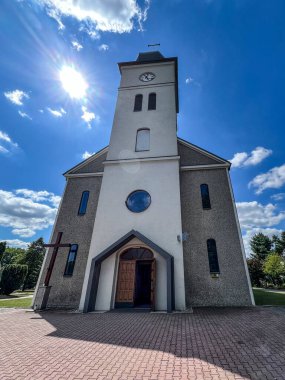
[
  {"x": 83, "y": 203},
  {"x": 213, "y": 256},
  {"x": 138, "y": 103},
  {"x": 152, "y": 101},
  {"x": 69, "y": 267},
  {"x": 205, "y": 196},
  {"x": 137, "y": 254},
  {"x": 143, "y": 140}
]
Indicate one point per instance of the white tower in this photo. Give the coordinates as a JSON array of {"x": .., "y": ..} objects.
[{"x": 142, "y": 155}]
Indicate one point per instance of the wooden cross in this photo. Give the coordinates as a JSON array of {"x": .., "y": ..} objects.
[{"x": 55, "y": 246}]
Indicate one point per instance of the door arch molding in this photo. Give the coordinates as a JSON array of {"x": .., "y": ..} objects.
[{"x": 94, "y": 274}]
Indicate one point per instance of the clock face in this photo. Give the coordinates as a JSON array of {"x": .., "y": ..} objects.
[{"x": 146, "y": 77}]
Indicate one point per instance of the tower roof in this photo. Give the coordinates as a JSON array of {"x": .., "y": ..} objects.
[{"x": 150, "y": 56}]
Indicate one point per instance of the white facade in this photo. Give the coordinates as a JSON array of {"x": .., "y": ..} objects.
[{"x": 156, "y": 171}]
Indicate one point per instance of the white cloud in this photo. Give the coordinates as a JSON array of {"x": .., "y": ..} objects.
[
  {"x": 24, "y": 115},
  {"x": 3, "y": 150},
  {"x": 53, "y": 13},
  {"x": 26, "y": 211},
  {"x": 57, "y": 113},
  {"x": 16, "y": 96},
  {"x": 254, "y": 214},
  {"x": 108, "y": 15},
  {"x": 77, "y": 46},
  {"x": 250, "y": 233},
  {"x": 255, "y": 217},
  {"x": 5, "y": 137},
  {"x": 87, "y": 116},
  {"x": 103, "y": 47},
  {"x": 250, "y": 159},
  {"x": 9, "y": 145},
  {"x": 189, "y": 80},
  {"x": 273, "y": 179},
  {"x": 16, "y": 243},
  {"x": 278, "y": 196},
  {"x": 86, "y": 155},
  {"x": 39, "y": 196},
  {"x": 238, "y": 159}
]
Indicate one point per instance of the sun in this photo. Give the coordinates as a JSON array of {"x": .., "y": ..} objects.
[{"x": 73, "y": 82}]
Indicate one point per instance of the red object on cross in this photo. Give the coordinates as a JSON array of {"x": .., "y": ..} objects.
[{"x": 55, "y": 246}]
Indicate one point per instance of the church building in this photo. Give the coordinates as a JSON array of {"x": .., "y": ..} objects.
[{"x": 149, "y": 221}]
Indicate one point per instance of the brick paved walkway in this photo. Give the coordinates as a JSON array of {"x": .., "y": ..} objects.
[{"x": 209, "y": 344}]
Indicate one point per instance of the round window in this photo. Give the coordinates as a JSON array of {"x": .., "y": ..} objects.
[{"x": 138, "y": 201}]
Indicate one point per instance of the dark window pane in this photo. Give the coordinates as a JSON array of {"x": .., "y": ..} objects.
[
  {"x": 152, "y": 101},
  {"x": 213, "y": 256},
  {"x": 138, "y": 102},
  {"x": 205, "y": 196},
  {"x": 137, "y": 254},
  {"x": 71, "y": 260},
  {"x": 138, "y": 201},
  {"x": 83, "y": 203}
]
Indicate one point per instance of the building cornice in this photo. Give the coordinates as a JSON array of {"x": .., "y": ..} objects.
[
  {"x": 204, "y": 167},
  {"x": 80, "y": 175},
  {"x": 141, "y": 159}
]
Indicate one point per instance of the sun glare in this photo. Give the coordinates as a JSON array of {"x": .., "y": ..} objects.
[{"x": 73, "y": 82}]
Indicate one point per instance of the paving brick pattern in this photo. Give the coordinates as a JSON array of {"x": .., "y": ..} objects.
[{"x": 209, "y": 344}]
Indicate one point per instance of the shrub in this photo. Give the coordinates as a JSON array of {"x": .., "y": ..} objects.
[{"x": 12, "y": 278}]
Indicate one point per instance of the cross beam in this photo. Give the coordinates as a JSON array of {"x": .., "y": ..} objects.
[{"x": 55, "y": 246}]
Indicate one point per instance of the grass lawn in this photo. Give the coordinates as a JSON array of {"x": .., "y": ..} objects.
[
  {"x": 264, "y": 297},
  {"x": 16, "y": 299},
  {"x": 16, "y": 302}
]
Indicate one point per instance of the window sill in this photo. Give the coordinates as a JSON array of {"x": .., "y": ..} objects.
[{"x": 215, "y": 275}]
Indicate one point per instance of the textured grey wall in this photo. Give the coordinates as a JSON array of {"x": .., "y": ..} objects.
[
  {"x": 94, "y": 166},
  {"x": 231, "y": 288},
  {"x": 77, "y": 229},
  {"x": 190, "y": 157}
]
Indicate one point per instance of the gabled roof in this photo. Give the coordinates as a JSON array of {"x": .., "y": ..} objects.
[
  {"x": 187, "y": 144},
  {"x": 87, "y": 161},
  {"x": 204, "y": 152}
]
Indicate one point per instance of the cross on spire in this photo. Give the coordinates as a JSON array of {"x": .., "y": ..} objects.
[{"x": 151, "y": 45}]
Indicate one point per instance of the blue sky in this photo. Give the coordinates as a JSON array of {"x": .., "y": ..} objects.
[{"x": 231, "y": 87}]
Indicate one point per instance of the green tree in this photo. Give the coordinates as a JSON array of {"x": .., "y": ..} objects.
[
  {"x": 255, "y": 268},
  {"x": 274, "y": 268},
  {"x": 261, "y": 246},
  {"x": 33, "y": 259},
  {"x": 12, "y": 278},
  {"x": 13, "y": 256},
  {"x": 2, "y": 250},
  {"x": 279, "y": 244}
]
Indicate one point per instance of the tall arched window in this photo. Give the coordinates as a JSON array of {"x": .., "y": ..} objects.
[
  {"x": 70, "y": 262},
  {"x": 152, "y": 101},
  {"x": 143, "y": 137},
  {"x": 138, "y": 103},
  {"x": 83, "y": 203},
  {"x": 213, "y": 256},
  {"x": 205, "y": 196}
]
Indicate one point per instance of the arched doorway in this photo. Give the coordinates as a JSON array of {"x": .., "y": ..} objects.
[{"x": 136, "y": 279}]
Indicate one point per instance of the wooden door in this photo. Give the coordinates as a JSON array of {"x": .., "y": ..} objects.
[
  {"x": 126, "y": 282},
  {"x": 153, "y": 280}
]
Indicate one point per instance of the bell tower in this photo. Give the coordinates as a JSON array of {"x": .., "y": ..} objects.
[
  {"x": 147, "y": 100},
  {"x": 140, "y": 187}
]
